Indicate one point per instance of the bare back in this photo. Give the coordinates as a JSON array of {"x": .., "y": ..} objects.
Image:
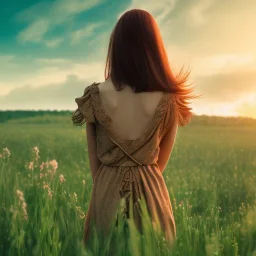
[{"x": 130, "y": 112}]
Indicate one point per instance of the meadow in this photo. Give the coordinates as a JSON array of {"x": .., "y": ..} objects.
[{"x": 46, "y": 184}]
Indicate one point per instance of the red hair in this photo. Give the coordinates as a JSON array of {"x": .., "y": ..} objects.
[{"x": 137, "y": 57}]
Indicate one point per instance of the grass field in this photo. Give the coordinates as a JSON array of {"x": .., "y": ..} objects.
[{"x": 211, "y": 178}]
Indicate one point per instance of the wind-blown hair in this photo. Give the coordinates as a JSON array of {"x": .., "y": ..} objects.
[{"x": 137, "y": 58}]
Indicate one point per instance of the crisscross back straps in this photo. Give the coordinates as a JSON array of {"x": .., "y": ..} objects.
[{"x": 125, "y": 151}]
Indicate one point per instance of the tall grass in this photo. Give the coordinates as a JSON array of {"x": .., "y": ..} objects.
[{"x": 211, "y": 178}]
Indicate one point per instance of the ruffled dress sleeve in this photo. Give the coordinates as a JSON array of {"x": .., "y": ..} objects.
[
  {"x": 84, "y": 112},
  {"x": 175, "y": 113}
]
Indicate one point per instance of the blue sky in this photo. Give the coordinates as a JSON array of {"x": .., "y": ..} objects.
[{"x": 51, "y": 50}]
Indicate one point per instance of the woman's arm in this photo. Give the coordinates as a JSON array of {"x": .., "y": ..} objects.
[
  {"x": 92, "y": 148},
  {"x": 166, "y": 146}
]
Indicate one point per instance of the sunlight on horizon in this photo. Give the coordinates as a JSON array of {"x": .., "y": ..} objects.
[{"x": 47, "y": 60}]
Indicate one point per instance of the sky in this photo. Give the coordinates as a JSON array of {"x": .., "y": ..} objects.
[{"x": 51, "y": 50}]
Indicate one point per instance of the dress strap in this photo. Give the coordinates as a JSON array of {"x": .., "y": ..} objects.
[{"x": 125, "y": 151}]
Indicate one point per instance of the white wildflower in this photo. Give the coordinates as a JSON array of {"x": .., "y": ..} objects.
[
  {"x": 31, "y": 166},
  {"x": 6, "y": 153},
  {"x": 61, "y": 178},
  {"x": 36, "y": 153},
  {"x": 54, "y": 165}
]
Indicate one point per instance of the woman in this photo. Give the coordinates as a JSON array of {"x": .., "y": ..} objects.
[{"x": 131, "y": 124}]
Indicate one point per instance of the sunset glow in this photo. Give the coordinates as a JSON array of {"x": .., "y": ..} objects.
[{"x": 47, "y": 55}]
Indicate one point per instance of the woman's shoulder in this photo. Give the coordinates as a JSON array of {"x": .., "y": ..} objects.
[{"x": 84, "y": 112}]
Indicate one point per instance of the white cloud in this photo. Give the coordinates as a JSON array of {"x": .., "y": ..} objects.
[
  {"x": 88, "y": 30},
  {"x": 6, "y": 58},
  {"x": 54, "y": 42},
  {"x": 196, "y": 14},
  {"x": 227, "y": 87},
  {"x": 223, "y": 63},
  {"x": 4, "y": 90},
  {"x": 7, "y": 61},
  {"x": 55, "y": 95},
  {"x": 158, "y": 9},
  {"x": 216, "y": 74},
  {"x": 52, "y": 61},
  {"x": 56, "y": 71},
  {"x": 224, "y": 28},
  {"x": 46, "y": 16},
  {"x": 35, "y": 32},
  {"x": 66, "y": 8}
]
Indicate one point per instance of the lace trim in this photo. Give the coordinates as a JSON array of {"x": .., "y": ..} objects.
[{"x": 106, "y": 122}]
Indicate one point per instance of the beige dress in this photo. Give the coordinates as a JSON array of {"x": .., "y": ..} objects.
[{"x": 129, "y": 167}]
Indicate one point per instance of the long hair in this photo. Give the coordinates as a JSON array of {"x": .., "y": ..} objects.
[{"x": 137, "y": 58}]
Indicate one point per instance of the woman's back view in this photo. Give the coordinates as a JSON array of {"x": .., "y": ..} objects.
[
  {"x": 135, "y": 114},
  {"x": 130, "y": 112}
]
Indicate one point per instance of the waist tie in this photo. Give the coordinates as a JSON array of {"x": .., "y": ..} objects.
[
  {"x": 129, "y": 163},
  {"x": 126, "y": 163}
]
